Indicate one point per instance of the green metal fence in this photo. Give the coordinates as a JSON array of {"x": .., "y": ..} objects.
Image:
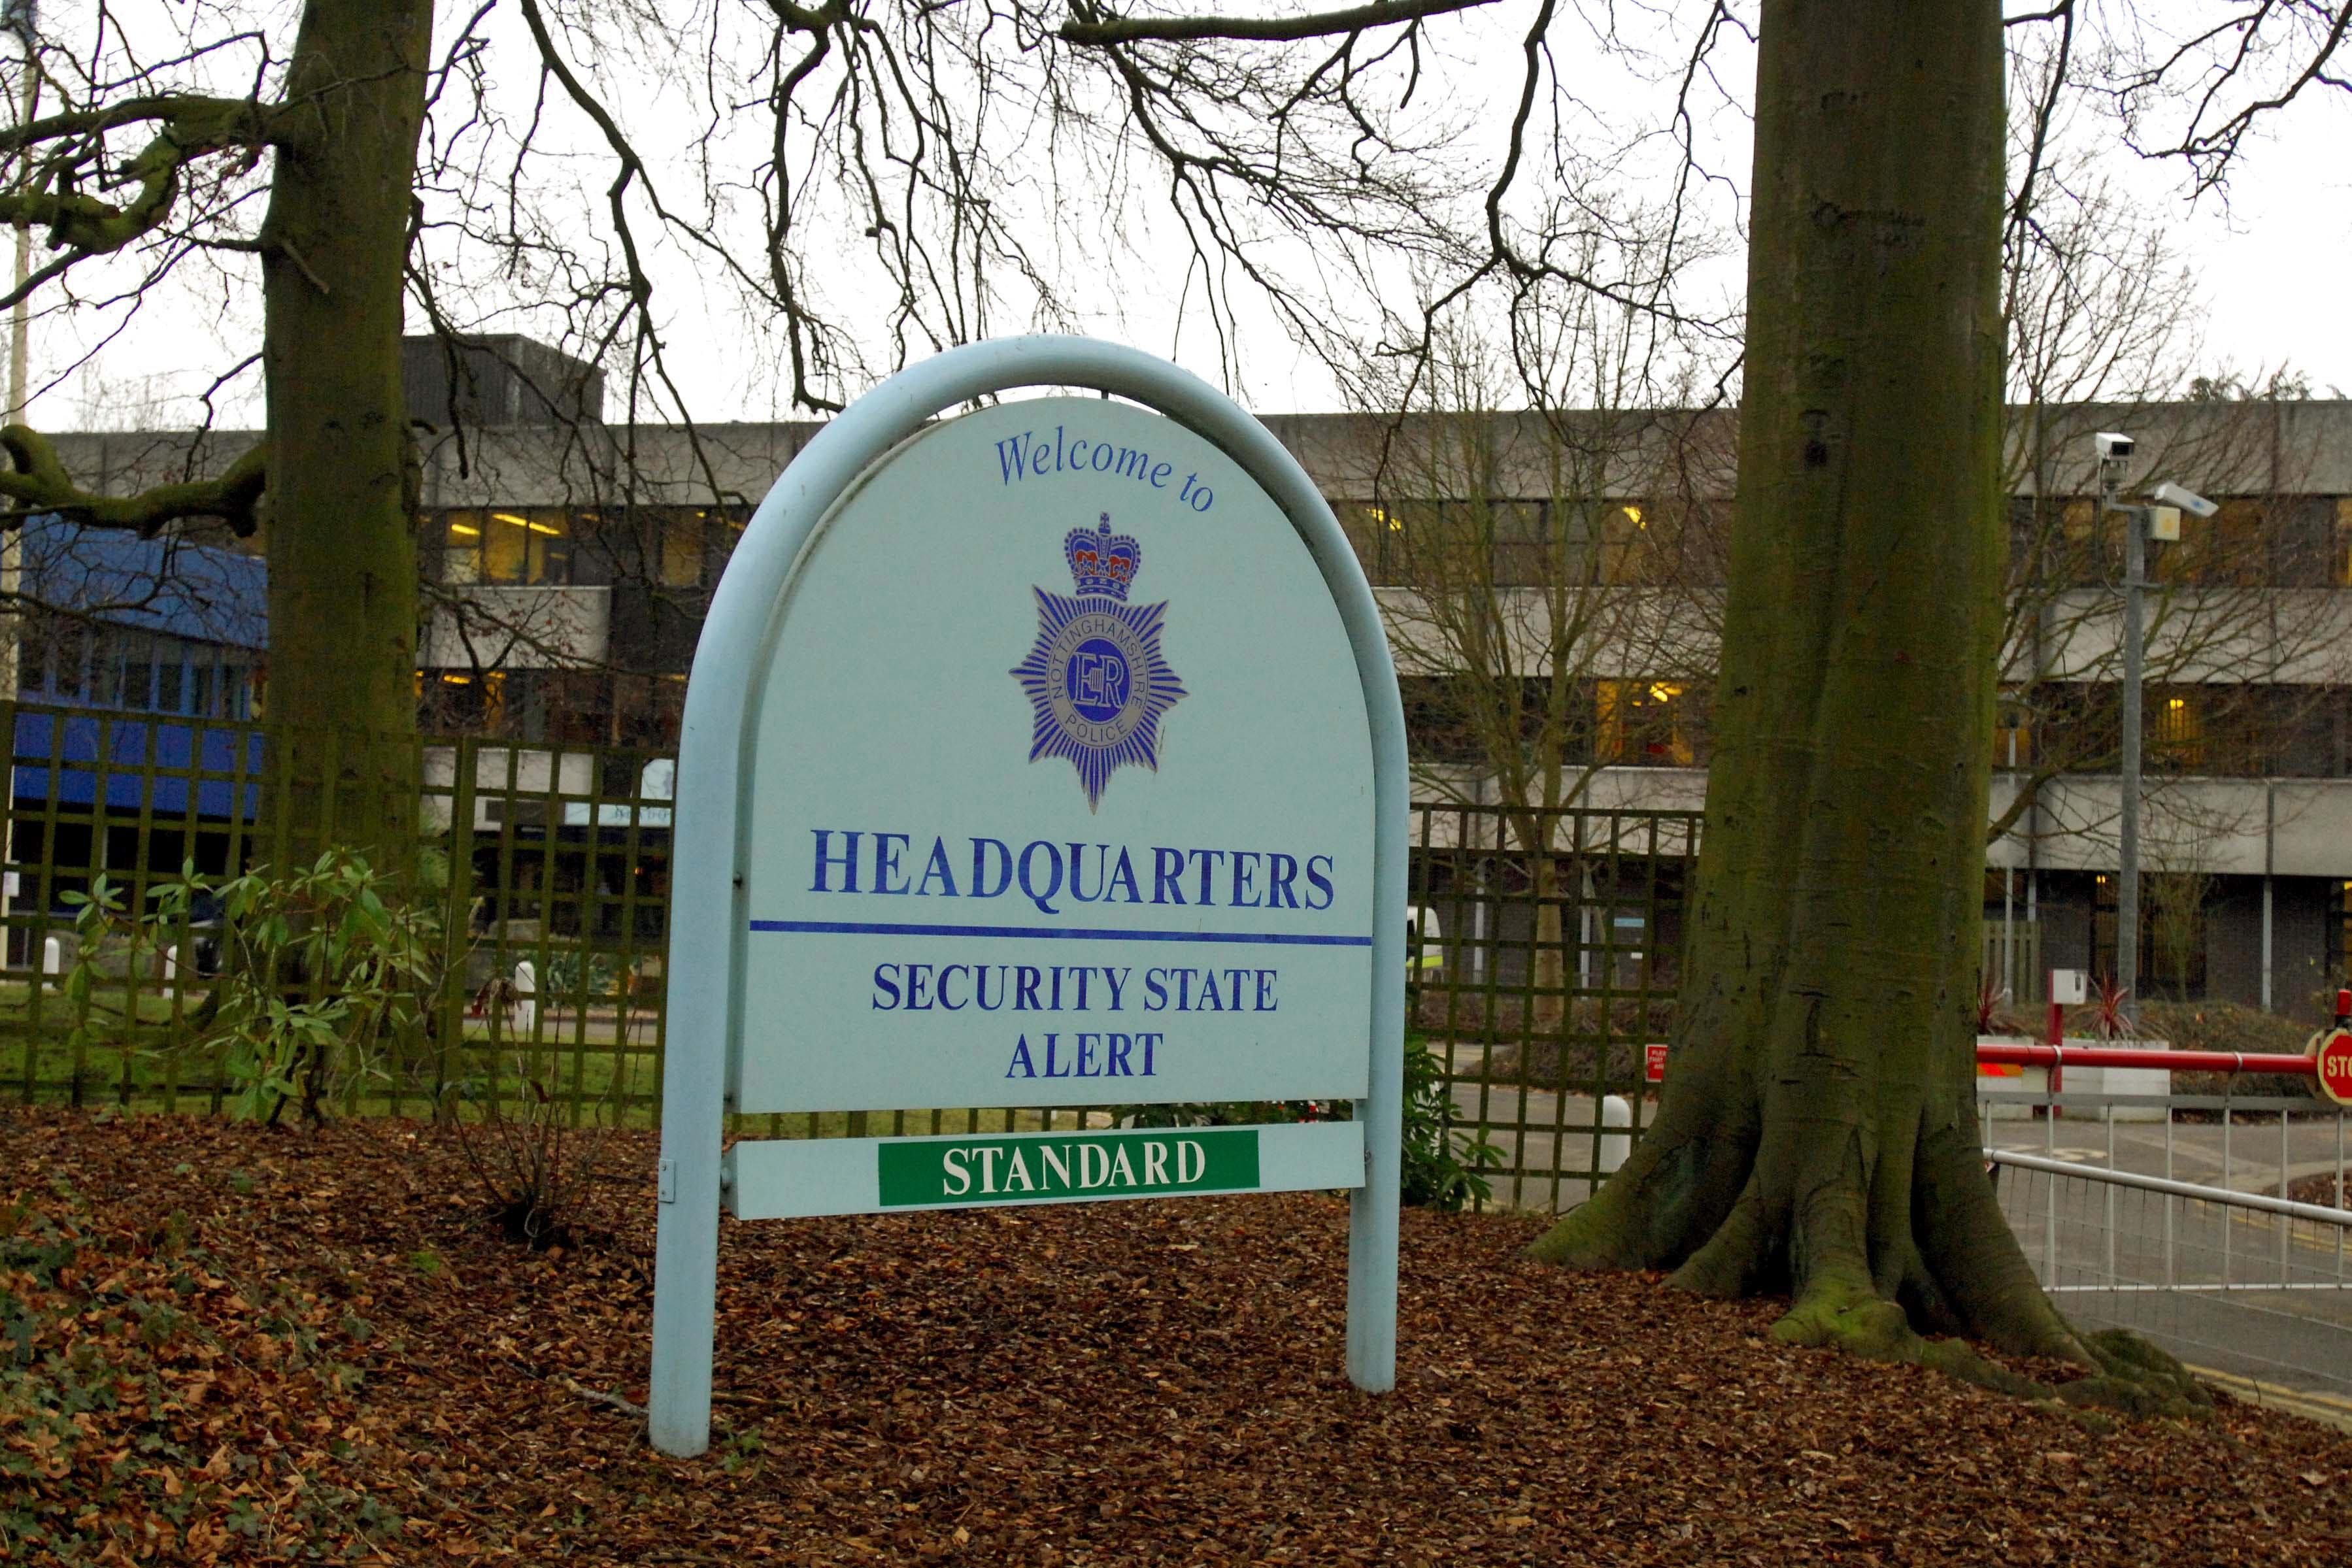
[
  {"x": 554, "y": 910},
  {"x": 1547, "y": 953},
  {"x": 1539, "y": 981}
]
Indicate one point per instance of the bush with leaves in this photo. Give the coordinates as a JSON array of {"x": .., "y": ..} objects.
[
  {"x": 325, "y": 971},
  {"x": 1232, "y": 1113},
  {"x": 1434, "y": 1174},
  {"x": 576, "y": 975}
]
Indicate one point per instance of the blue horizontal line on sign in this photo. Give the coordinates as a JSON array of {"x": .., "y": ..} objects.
[{"x": 1071, "y": 933}]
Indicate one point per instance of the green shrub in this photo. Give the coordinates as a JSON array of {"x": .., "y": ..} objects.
[
  {"x": 1432, "y": 1172},
  {"x": 574, "y": 974},
  {"x": 323, "y": 971}
]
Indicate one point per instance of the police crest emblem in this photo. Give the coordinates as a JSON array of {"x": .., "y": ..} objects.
[{"x": 1096, "y": 679}]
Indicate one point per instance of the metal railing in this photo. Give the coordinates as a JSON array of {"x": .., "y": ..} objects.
[
  {"x": 554, "y": 908},
  {"x": 1545, "y": 956},
  {"x": 1541, "y": 978},
  {"x": 2246, "y": 1283},
  {"x": 1546, "y": 946}
]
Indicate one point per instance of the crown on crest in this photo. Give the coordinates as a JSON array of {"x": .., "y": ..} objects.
[{"x": 1104, "y": 563}]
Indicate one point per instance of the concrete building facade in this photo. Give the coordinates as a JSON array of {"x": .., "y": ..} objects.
[{"x": 568, "y": 563}]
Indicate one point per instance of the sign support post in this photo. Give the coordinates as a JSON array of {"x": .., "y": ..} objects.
[{"x": 714, "y": 859}]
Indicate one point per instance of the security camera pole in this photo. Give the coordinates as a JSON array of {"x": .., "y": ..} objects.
[{"x": 2141, "y": 523}]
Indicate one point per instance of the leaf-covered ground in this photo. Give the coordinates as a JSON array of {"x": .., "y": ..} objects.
[{"x": 227, "y": 1344}]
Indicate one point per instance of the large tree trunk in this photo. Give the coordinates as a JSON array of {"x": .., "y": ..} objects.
[
  {"x": 341, "y": 702},
  {"x": 1818, "y": 1134}
]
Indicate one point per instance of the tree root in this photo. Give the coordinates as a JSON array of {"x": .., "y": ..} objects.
[
  {"x": 2133, "y": 1377},
  {"x": 1949, "y": 1265},
  {"x": 2137, "y": 1379}
]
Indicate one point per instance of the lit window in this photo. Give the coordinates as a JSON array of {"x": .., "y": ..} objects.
[
  {"x": 468, "y": 704},
  {"x": 1631, "y": 549},
  {"x": 1645, "y": 722},
  {"x": 2177, "y": 730},
  {"x": 532, "y": 547}
]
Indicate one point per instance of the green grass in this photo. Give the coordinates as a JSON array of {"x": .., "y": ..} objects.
[{"x": 23, "y": 1003}]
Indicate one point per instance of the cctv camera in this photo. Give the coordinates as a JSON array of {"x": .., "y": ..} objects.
[
  {"x": 2111, "y": 445},
  {"x": 2190, "y": 501}
]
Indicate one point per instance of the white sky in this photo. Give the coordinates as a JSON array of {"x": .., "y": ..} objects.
[
  {"x": 2271, "y": 262},
  {"x": 2275, "y": 265}
]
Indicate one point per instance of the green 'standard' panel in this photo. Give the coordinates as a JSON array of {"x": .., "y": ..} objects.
[
  {"x": 787, "y": 1179},
  {"x": 1062, "y": 785},
  {"x": 1067, "y": 1165}
]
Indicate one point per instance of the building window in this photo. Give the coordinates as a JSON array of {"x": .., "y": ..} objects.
[
  {"x": 137, "y": 671},
  {"x": 2093, "y": 540},
  {"x": 2230, "y": 547},
  {"x": 463, "y": 704},
  {"x": 1377, "y": 533},
  {"x": 681, "y": 552},
  {"x": 647, "y": 710},
  {"x": 1647, "y": 723},
  {"x": 1633, "y": 547},
  {"x": 526, "y": 548},
  {"x": 2176, "y": 728},
  {"x": 1527, "y": 553},
  {"x": 2340, "y": 551}
]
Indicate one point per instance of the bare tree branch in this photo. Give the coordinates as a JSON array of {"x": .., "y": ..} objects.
[
  {"x": 1093, "y": 25},
  {"x": 39, "y": 483}
]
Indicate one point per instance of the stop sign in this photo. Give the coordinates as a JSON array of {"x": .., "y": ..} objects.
[{"x": 2335, "y": 1066}]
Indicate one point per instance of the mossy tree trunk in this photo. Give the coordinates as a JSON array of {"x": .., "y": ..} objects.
[
  {"x": 341, "y": 704},
  {"x": 1818, "y": 1134}
]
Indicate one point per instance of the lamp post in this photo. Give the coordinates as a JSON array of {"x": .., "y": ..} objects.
[
  {"x": 2160, "y": 520},
  {"x": 16, "y": 17}
]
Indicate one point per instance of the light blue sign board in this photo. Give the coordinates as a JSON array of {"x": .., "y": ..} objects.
[
  {"x": 1061, "y": 786},
  {"x": 1046, "y": 755}
]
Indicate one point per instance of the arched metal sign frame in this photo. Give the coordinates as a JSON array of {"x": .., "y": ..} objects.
[{"x": 710, "y": 918}]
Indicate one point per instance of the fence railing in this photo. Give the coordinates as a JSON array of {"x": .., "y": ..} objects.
[
  {"x": 555, "y": 908},
  {"x": 1542, "y": 976},
  {"x": 2249, "y": 1283},
  {"x": 1546, "y": 946},
  {"x": 2012, "y": 960},
  {"x": 1545, "y": 956},
  {"x": 1545, "y": 949}
]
